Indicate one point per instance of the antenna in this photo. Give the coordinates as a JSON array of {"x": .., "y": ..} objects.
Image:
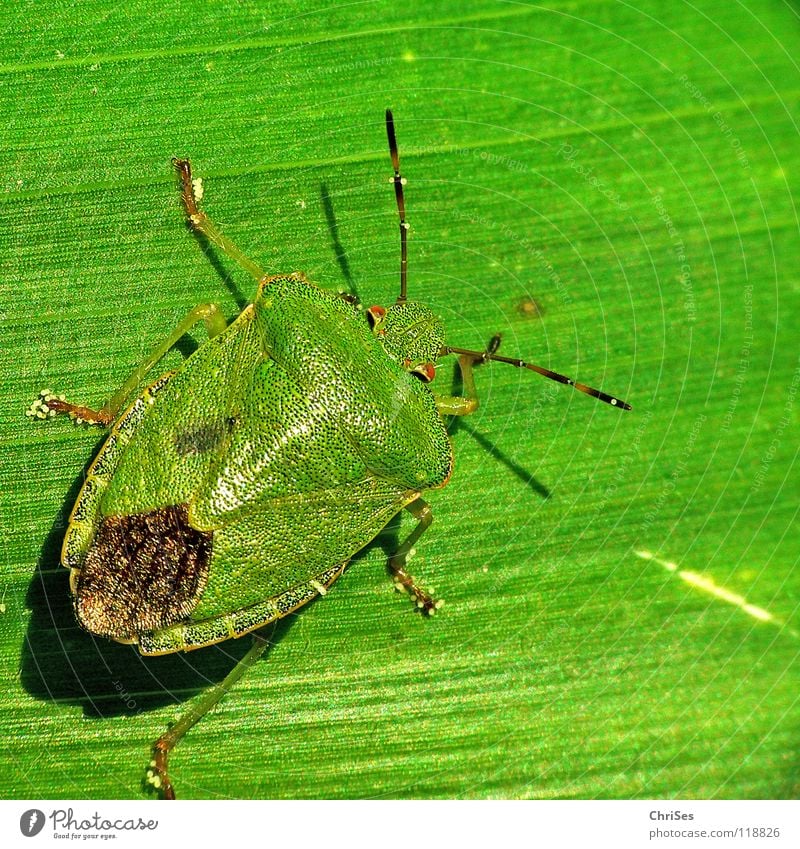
[
  {"x": 489, "y": 354},
  {"x": 399, "y": 182}
]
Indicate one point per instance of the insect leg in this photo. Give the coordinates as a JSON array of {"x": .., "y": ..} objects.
[
  {"x": 201, "y": 223},
  {"x": 456, "y": 405},
  {"x": 48, "y": 404},
  {"x": 420, "y": 510},
  {"x": 157, "y": 774}
]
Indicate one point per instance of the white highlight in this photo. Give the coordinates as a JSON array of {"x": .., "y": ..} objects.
[{"x": 708, "y": 585}]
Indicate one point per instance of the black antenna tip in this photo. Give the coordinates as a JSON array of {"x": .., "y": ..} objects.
[{"x": 392, "y": 138}]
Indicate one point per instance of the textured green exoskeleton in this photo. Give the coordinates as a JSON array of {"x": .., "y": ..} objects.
[{"x": 235, "y": 489}]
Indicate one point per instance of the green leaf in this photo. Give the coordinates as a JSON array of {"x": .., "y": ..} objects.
[{"x": 614, "y": 190}]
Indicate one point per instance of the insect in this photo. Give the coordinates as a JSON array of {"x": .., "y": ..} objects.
[{"x": 236, "y": 488}]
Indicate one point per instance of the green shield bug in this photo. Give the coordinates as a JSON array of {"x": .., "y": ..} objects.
[{"x": 235, "y": 489}]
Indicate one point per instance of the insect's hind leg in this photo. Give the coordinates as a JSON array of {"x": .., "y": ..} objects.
[
  {"x": 157, "y": 774},
  {"x": 420, "y": 510},
  {"x": 201, "y": 223},
  {"x": 48, "y": 404}
]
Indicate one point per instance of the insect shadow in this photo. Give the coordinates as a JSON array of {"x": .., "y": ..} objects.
[
  {"x": 338, "y": 250},
  {"x": 213, "y": 258},
  {"x": 61, "y": 662},
  {"x": 457, "y": 423}
]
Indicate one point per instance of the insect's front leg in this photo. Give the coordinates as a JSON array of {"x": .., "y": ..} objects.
[
  {"x": 201, "y": 223},
  {"x": 420, "y": 510},
  {"x": 457, "y": 405},
  {"x": 48, "y": 404}
]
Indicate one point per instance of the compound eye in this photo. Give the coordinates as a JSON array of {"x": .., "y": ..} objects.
[
  {"x": 375, "y": 315},
  {"x": 425, "y": 372}
]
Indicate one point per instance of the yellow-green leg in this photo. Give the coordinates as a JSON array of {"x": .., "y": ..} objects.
[
  {"x": 201, "y": 223},
  {"x": 48, "y": 404},
  {"x": 448, "y": 405},
  {"x": 457, "y": 405},
  {"x": 420, "y": 510},
  {"x": 157, "y": 774}
]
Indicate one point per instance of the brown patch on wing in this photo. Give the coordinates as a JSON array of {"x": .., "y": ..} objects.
[{"x": 143, "y": 572}]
